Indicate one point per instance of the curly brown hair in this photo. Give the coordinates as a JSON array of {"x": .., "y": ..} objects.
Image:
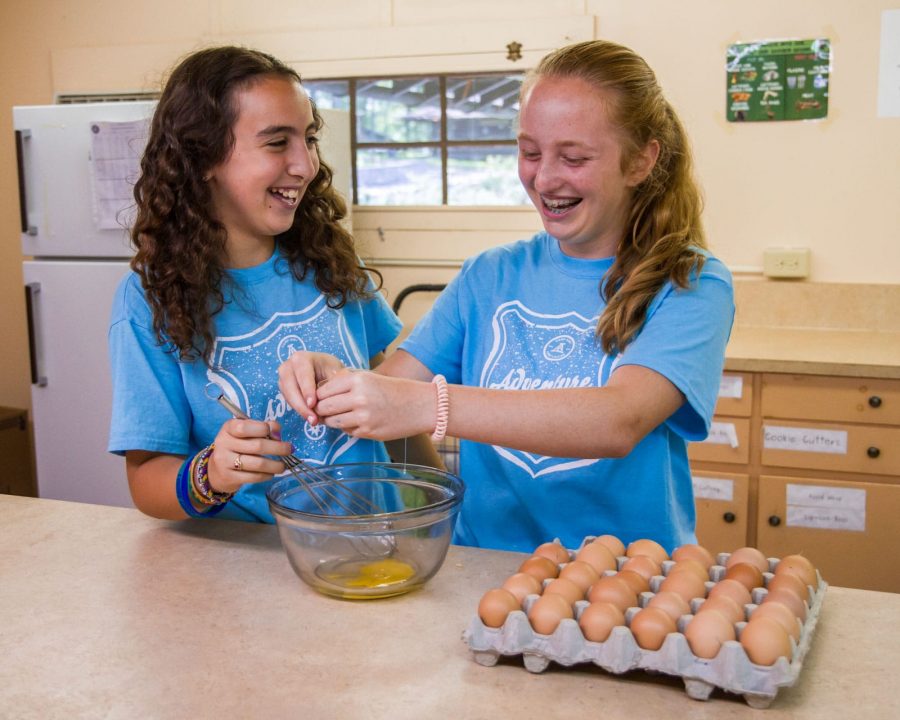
[
  {"x": 664, "y": 236},
  {"x": 180, "y": 246}
]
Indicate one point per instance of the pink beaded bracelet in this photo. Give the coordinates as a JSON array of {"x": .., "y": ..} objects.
[{"x": 443, "y": 408}]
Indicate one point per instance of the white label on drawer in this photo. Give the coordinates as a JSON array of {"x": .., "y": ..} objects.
[
  {"x": 721, "y": 433},
  {"x": 826, "y": 497},
  {"x": 814, "y": 440},
  {"x": 826, "y": 508},
  {"x": 731, "y": 386},
  {"x": 709, "y": 488}
]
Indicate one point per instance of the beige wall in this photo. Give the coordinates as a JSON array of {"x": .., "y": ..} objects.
[{"x": 830, "y": 185}]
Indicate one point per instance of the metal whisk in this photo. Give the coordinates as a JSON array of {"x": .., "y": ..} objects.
[{"x": 326, "y": 492}]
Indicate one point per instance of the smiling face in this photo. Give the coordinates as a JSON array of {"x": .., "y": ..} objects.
[
  {"x": 570, "y": 162},
  {"x": 256, "y": 190}
]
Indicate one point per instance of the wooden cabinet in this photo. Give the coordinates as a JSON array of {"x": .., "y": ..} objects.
[
  {"x": 870, "y": 449},
  {"x": 729, "y": 436},
  {"x": 722, "y": 509},
  {"x": 818, "y": 397},
  {"x": 819, "y": 457},
  {"x": 17, "y": 476},
  {"x": 847, "y": 529},
  {"x": 828, "y": 423}
]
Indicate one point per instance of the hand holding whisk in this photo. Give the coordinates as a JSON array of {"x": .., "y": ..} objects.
[{"x": 330, "y": 496}]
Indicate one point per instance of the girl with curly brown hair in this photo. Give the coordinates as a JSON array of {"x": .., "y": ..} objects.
[
  {"x": 241, "y": 260},
  {"x": 583, "y": 359}
]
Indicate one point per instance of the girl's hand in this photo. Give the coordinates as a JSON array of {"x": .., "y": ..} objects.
[
  {"x": 366, "y": 404},
  {"x": 300, "y": 375},
  {"x": 239, "y": 455}
]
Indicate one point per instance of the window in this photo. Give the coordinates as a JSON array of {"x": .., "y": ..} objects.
[{"x": 430, "y": 140}]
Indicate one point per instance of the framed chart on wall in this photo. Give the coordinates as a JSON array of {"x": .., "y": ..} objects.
[{"x": 778, "y": 80}]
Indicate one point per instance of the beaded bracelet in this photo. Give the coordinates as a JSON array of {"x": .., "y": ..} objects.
[
  {"x": 200, "y": 480},
  {"x": 183, "y": 492},
  {"x": 443, "y": 408}
]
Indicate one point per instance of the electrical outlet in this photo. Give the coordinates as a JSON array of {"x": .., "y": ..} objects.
[{"x": 786, "y": 262}]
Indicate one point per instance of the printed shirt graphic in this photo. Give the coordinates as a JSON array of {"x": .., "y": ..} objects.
[
  {"x": 535, "y": 351},
  {"x": 243, "y": 367}
]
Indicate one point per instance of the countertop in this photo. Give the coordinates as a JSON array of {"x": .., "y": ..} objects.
[
  {"x": 843, "y": 329},
  {"x": 816, "y": 351},
  {"x": 105, "y": 612}
]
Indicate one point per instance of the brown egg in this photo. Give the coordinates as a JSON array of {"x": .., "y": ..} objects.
[
  {"x": 724, "y": 605},
  {"x": 541, "y": 567},
  {"x": 694, "y": 552},
  {"x": 580, "y": 573},
  {"x": 746, "y": 574},
  {"x": 789, "y": 598},
  {"x": 495, "y": 605},
  {"x": 522, "y": 585},
  {"x": 650, "y": 548},
  {"x": 613, "y": 590},
  {"x": 671, "y": 603},
  {"x": 691, "y": 566},
  {"x": 733, "y": 589},
  {"x": 643, "y": 565},
  {"x": 612, "y": 543},
  {"x": 552, "y": 551},
  {"x": 686, "y": 584},
  {"x": 598, "y": 620},
  {"x": 748, "y": 555},
  {"x": 791, "y": 582},
  {"x": 781, "y": 614},
  {"x": 650, "y": 627},
  {"x": 548, "y": 611},
  {"x": 569, "y": 590},
  {"x": 765, "y": 641},
  {"x": 635, "y": 581},
  {"x": 598, "y": 557},
  {"x": 799, "y": 566},
  {"x": 707, "y": 631}
]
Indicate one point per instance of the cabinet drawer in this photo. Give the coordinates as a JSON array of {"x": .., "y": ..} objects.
[
  {"x": 735, "y": 395},
  {"x": 728, "y": 441},
  {"x": 828, "y": 446},
  {"x": 848, "y": 530},
  {"x": 814, "y": 397},
  {"x": 721, "y": 503}
]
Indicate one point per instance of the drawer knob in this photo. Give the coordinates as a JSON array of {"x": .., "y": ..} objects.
[
  {"x": 874, "y": 401},
  {"x": 729, "y": 517},
  {"x": 873, "y": 452},
  {"x": 774, "y": 520}
]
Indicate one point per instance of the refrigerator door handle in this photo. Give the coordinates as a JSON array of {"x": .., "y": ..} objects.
[
  {"x": 31, "y": 290},
  {"x": 21, "y": 137}
]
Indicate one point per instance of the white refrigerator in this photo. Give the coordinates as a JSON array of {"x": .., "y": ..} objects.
[{"x": 77, "y": 165}]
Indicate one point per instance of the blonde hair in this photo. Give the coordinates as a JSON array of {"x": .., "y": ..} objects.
[{"x": 664, "y": 234}]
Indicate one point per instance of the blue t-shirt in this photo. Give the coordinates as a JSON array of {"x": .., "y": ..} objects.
[
  {"x": 523, "y": 316},
  {"x": 160, "y": 404}
]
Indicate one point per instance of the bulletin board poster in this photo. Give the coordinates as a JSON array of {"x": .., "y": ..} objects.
[{"x": 778, "y": 80}]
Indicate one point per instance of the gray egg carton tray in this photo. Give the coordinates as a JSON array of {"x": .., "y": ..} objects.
[{"x": 731, "y": 670}]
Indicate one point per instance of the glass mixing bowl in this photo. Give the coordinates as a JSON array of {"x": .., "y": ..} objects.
[{"x": 372, "y": 555}]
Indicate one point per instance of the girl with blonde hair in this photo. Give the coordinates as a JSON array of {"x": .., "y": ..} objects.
[{"x": 580, "y": 361}]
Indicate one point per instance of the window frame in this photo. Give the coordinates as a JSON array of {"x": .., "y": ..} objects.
[{"x": 443, "y": 143}]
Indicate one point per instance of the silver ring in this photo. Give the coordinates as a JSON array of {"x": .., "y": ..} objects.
[{"x": 238, "y": 463}]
